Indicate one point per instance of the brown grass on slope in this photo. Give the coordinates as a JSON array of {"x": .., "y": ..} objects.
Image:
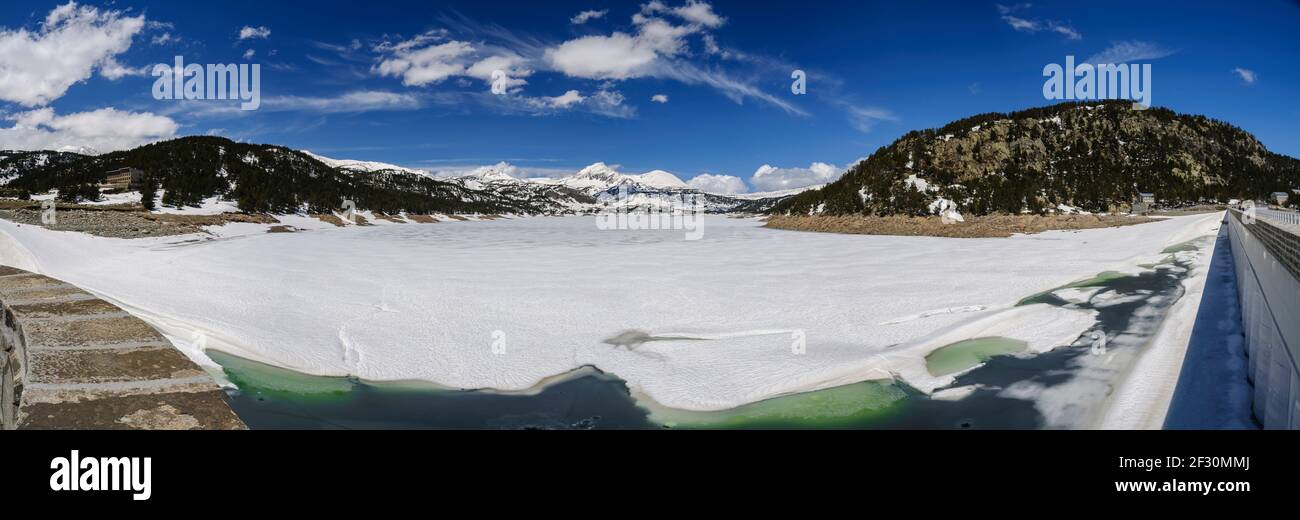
[{"x": 974, "y": 227}]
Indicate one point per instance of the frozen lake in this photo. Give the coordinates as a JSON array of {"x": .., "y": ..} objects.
[{"x": 742, "y": 315}]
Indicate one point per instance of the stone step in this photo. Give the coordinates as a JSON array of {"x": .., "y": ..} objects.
[{"x": 72, "y": 360}]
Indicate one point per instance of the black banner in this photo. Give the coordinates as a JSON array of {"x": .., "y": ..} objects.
[{"x": 317, "y": 470}]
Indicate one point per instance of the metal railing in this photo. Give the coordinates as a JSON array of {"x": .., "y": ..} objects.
[{"x": 1285, "y": 218}]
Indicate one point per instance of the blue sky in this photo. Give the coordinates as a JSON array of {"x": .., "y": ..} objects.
[{"x": 409, "y": 83}]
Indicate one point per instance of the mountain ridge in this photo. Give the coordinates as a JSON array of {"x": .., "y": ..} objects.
[{"x": 1097, "y": 156}]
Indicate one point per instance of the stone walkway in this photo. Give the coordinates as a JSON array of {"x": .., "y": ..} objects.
[{"x": 71, "y": 360}]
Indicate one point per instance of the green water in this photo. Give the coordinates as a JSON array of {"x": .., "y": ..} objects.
[
  {"x": 260, "y": 378},
  {"x": 275, "y": 398},
  {"x": 1190, "y": 245},
  {"x": 855, "y": 405},
  {"x": 1102, "y": 279},
  {"x": 972, "y": 352}
]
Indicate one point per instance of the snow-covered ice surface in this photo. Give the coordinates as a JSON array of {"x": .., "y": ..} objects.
[{"x": 509, "y": 304}]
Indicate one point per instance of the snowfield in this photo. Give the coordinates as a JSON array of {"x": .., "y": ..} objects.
[{"x": 744, "y": 314}]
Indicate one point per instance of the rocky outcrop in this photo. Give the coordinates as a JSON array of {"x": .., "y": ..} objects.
[{"x": 74, "y": 361}]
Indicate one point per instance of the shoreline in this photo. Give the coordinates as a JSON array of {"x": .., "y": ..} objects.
[{"x": 990, "y": 226}]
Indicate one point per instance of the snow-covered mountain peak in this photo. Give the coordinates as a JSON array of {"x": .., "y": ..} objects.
[
  {"x": 83, "y": 150},
  {"x": 363, "y": 166},
  {"x": 499, "y": 172},
  {"x": 598, "y": 171},
  {"x": 659, "y": 179}
]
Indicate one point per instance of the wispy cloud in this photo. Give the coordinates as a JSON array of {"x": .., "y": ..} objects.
[
  {"x": 864, "y": 119},
  {"x": 1025, "y": 23},
  {"x": 1246, "y": 75},
  {"x": 1127, "y": 51},
  {"x": 586, "y": 16},
  {"x": 350, "y": 102}
]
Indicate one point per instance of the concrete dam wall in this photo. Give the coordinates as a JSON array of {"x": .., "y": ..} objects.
[
  {"x": 1266, "y": 253},
  {"x": 69, "y": 360}
]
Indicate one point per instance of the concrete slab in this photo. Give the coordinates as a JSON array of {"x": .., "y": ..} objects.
[
  {"x": 60, "y": 308},
  {"x": 169, "y": 411},
  {"x": 58, "y": 366},
  {"x": 97, "y": 332}
]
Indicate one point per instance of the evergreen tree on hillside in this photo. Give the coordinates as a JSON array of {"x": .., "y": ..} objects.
[
  {"x": 149, "y": 193},
  {"x": 1093, "y": 155},
  {"x": 79, "y": 192}
]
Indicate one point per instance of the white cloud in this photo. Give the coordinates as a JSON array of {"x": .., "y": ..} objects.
[
  {"x": 248, "y": 54},
  {"x": 428, "y": 59},
  {"x": 114, "y": 71},
  {"x": 617, "y": 56},
  {"x": 565, "y": 100},
  {"x": 664, "y": 38},
  {"x": 603, "y": 102},
  {"x": 1128, "y": 51},
  {"x": 586, "y": 16},
  {"x": 699, "y": 13},
  {"x": 657, "y": 49},
  {"x": 248, "y": 32},
  {"x": 1246, "y": 75},
  {"x": 719, "y": 184},
  {"x": 771, "y": 178},
  {"x": 621, "y": 55},
  {"x": 105, "y": 130},
  {"x": 38, "y": 67},
  {"x": 432, "y": 64},
  {"x": 659, "y": 98},
  {"x": 512, "y": 65}
]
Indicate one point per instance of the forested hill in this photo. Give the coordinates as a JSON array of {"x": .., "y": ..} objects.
[
  {"x": 1096, "y": 156},
  {"x": 263, "y": 178}
]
